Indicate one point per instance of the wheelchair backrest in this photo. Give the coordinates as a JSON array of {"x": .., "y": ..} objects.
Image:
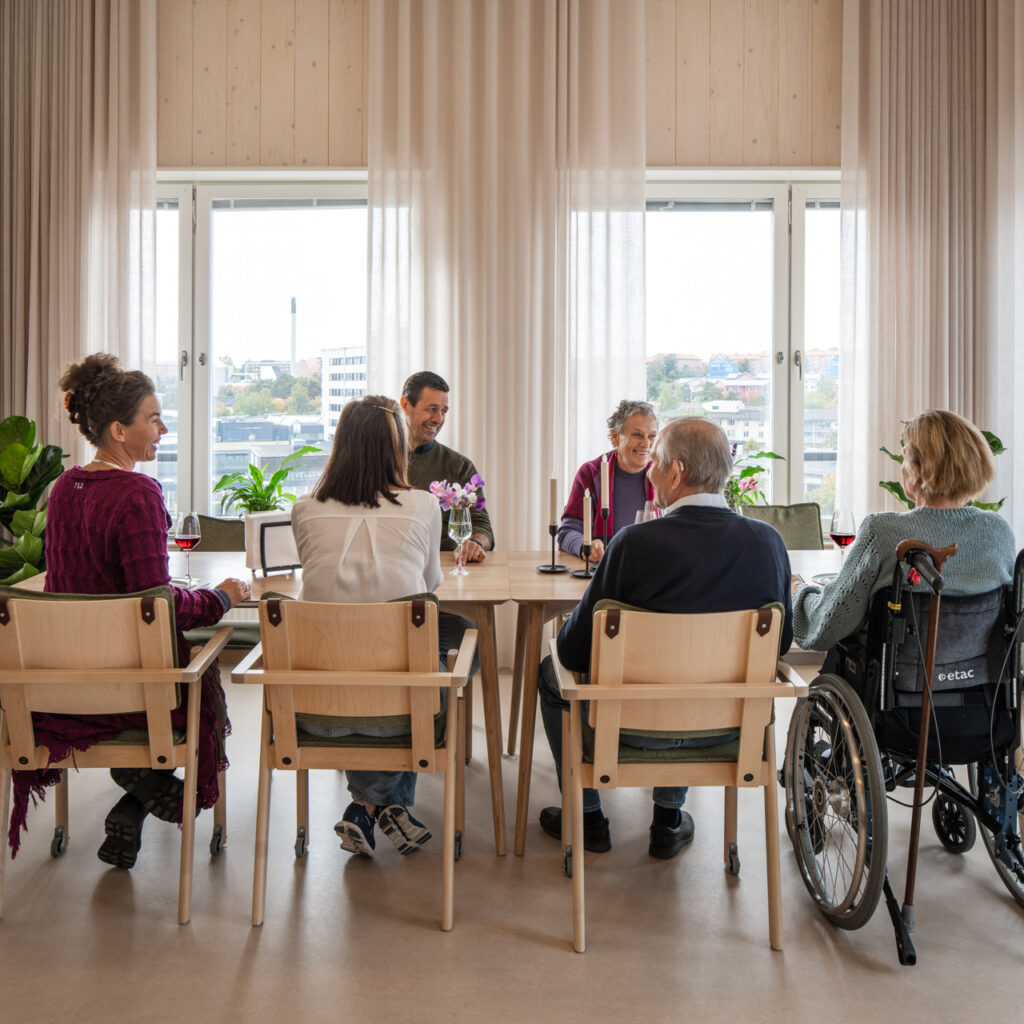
[{"x": 969, "y": 650}]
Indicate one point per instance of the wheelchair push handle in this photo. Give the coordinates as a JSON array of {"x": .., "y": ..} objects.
[{"x": 926, "y": 560}]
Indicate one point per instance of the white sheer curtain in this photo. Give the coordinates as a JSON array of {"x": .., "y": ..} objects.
[
  {"x": 506, "y": 228},
  {"x": 78, "y": 167},
  {"x": 929, "y": 171}
]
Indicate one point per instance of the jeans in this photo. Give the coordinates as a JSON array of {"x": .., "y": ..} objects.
[
  {"x": 551, "y": 708},
  {"x": 384, "y": 788}
]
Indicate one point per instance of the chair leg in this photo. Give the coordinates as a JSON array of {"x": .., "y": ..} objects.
[
  {"x": 729, "y": 843},
  {"x": 451, "y": 757},
  {"x": 567, "y": 807},
  {"x": 460, "y": 768},
  {"x": 188, "y": 805},
  {"x": 60, "y": 805},
  {"x": 302, "y": 801},
  {"x": 468, "y": 725},
  {"x": 579, "y": 935},
  {"x": 220, "y": 809},
  {"x": 5, "y": 817},
  {"x": 259, "y": 872},
  {"x": 771, "y": 842},
  {"x": 518, "y": 663}
]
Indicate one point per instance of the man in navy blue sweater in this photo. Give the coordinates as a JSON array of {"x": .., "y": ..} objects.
[{"x": 699, "y": 557}]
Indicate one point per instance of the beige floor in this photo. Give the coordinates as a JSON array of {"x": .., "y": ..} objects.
[{"x": 348, "y": 938}]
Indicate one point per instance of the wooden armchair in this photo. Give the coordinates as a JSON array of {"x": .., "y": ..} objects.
[
  {"x": 81, "y": 655},
  {"x": 693, "y": 675},
  {"x": 799, "y": 524},
  {"x": 351, "y": 663}
]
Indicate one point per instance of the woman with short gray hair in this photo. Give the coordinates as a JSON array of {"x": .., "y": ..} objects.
[{"x": 632, "y": 429}]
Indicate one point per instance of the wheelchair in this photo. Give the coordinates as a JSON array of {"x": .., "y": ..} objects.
[{"x": 929, "y": 685}]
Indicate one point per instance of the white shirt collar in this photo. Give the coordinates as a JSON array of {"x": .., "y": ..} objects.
[{"x": 705, "y": 499}]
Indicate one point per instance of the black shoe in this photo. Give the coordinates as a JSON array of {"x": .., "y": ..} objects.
[
  {"x": 667, "y": 841},
  {"x": 160, "y": 792},
  {"x": 596, "y": 834},
  {"x": 123, "y": 826}
]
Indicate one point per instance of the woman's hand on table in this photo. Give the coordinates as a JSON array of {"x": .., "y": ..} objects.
[
  {"x": 596, "y": 549},
  {"x": 796, "y": 582},
  {"x": 237, "y": 590}
]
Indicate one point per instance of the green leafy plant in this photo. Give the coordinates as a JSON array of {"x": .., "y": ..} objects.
[
  {"x": 26, "y": 470},
  {"x": 742, "y": 488},
  {"x": 895, "y": 488},
  {"x": 250, "y": 491}
]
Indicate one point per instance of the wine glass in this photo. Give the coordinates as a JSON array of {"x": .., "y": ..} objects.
[
  {"x": 459, "y": 528},
  {"x": 187, "y": 536},
  {"x": 842, "y": 531}
]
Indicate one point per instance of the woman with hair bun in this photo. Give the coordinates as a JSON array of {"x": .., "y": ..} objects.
[{"x": 106, "y": 533}]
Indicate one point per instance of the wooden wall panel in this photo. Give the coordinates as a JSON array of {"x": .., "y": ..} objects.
[
  {"x": 660, "y": 73},
  {"x": 761, "y": 83},
  {"x": 693, "y": 84},
  {"x": 727, "y": 55},
  {"x": 347, "y": 81},
  {"x": 277, "y": 83},
  {"x": 284, "y": 82},
  {"x": 244, "y": 29},
  {"x": 795, "y": 82},
  {"x": 209, "y": 78},
  {"x": 174, "y": 83},
  {"x": 312, "y": 53}
]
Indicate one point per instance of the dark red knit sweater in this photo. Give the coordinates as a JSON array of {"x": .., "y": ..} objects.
[{"x": 106, "y": 533}]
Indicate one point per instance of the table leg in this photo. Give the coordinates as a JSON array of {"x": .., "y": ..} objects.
[
  {"x": 487, "y": 646},
  {"x": 534, "y": 629},
  {"x": 517, "y": 677}
]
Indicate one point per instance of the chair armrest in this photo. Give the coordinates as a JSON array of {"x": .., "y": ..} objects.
[
  {"x": 206, "y": 655},
  {"x": 786, "y": 672},
  {"x": 568, "y": 682},
  {"x": 464, "y": 662},
  {"x": 238, "y": 673}
]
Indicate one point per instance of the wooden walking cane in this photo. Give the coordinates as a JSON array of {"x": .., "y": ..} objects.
[{"x": 923, "y": 557}]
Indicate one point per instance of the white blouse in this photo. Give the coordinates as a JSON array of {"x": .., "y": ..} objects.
[{"x": 351, "y": 553}]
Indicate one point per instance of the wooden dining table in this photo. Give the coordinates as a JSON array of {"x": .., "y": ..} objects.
[
  {"x": 474, "y": 596},
  {"x": 541, "y": 597}
]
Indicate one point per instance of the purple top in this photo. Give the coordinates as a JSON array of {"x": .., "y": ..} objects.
[{"x": 106, "y": 533}]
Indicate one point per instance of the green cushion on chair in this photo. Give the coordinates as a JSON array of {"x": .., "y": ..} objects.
[
  {"x": 130, "y": 737},
  {"x": 357, "y": 740},
  {"x": 638, "y": 755}
]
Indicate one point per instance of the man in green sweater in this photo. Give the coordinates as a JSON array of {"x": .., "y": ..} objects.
[{"x": 425, "y": 404}]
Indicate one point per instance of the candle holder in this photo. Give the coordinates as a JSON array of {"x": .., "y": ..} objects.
[
  {"x": 586, "y": 572},
  {"x": 604, "y": 516},
  {"x": 554, "y": 567}
]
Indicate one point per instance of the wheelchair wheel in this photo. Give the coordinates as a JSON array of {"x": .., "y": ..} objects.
[
  {"x": 954, "y": 826},
  {"x": 835, "y": 802},
  {"x": 1008, "y": 862}
]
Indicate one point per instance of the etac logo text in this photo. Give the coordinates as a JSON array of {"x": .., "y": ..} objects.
[{"x": 955, "y": 675}]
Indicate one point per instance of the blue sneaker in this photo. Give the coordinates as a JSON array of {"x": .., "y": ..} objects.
[
  {"x": 356, "y": 830},
  {"x": 402, "y": 828}
]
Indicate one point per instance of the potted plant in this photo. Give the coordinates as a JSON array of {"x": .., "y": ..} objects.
[
  {"x": 895, "y": 488},
  {"x": 263, "y": 500},
  {"x": 252, "y": 492},
  {"x": 26, "y": 470},
  {"x": 742, "y": 487}
]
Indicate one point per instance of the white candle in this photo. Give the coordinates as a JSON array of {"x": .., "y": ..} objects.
[
  {"x": 604, "y": 483},
  {"x": 553, "y": 502},
  {"x": 588, "y": 517}
]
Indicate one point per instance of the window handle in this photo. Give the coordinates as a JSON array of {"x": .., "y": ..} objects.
[
  {"x": 182, "y": 363},
  {"x": 798, "y": 359}
]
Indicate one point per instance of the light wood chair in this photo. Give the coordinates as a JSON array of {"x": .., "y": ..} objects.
[
  {"x": 80, "y": 655},
  {"x": 357, "y": 664},
  {"x": 693, "y": 675}
]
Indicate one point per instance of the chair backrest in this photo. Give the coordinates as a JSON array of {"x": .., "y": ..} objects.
[
  {"x": 388, "y": 638},
  {"x": 221, "y": 534},
  {"x": 635, "y": 647},
  {"x": 81, "y": 655},
  {"x": 800, "y": 525}
]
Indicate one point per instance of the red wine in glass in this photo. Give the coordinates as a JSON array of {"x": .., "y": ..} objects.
[
  {"x": 187, "y": 535},
  {"x": 843, "y": 531}
]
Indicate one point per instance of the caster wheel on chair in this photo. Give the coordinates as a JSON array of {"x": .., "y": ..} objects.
[
  {"x": 300, "y": 843},
  {"x": 217, "y": 840},
  {"x": 953, "y": 825},
  {"x": 57, "y": 844}
]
